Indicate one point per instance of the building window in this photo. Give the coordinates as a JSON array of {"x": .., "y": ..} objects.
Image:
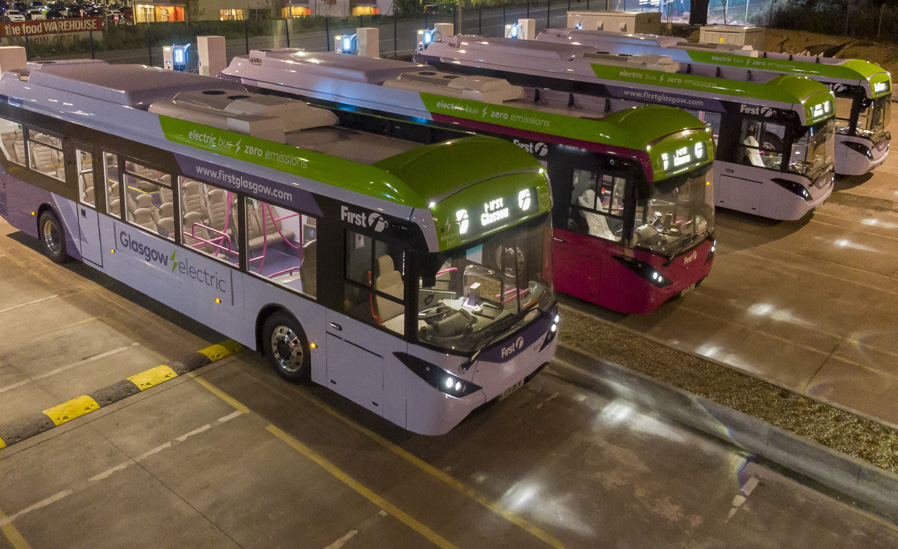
[{"x": 232, "y": 15}]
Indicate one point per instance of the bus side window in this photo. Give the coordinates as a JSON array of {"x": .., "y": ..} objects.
[
  {"x": 282, "y": 246},
  {"x": 46, "y": 155},
  {"x": 209, "y": 220},
  {"x": 85, "y": 169},
  {"x": 375, "y": 282},
  {"x": 113, "y": 196},
  {"x": 149, "y": 199},
  {"x": 12, "y": 141}
]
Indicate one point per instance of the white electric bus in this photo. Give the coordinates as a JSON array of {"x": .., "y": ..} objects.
[
  {"x": 863, "y": 90},
  {"x": 411, "y": 279},
  {"x": 774, "y": 139}
]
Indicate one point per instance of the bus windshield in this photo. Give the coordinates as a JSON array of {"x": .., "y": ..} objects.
[
  {"x": 469, "y": 295},
  {"x": 671, "y": 220},
  {"x": 876, "y": 117},
  {"x": 813, "y": 150}
]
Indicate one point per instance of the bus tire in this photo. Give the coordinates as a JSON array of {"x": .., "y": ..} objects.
[
  {"x": 52, "y": 236},
  {"x": 287, "y": 347}
]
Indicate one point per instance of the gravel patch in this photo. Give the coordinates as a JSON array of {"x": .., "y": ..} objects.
[{"x": 837, "y": 429}]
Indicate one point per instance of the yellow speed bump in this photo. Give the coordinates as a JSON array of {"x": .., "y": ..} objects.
[
  {"x": 152, "y": 377},
  {"x": 2, "y": 444},
  {"x": 222, "y": 350},
  {"x": 72, "y": 409}
]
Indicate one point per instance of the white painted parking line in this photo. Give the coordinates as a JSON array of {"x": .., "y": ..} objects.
[
  {"x": 67, "y": 367},
  {"x": 120, "y": 467},
  {"x": 29, "y": 303}
]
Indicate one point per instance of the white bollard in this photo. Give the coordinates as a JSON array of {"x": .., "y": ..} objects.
[
  {"x": 528, "y": 29},
  {"x": 446, "y": 30},
  {"x": 12, "y": 58},
  {"x": 212, "y": 55},
  {"x": 369, "y": 41}
]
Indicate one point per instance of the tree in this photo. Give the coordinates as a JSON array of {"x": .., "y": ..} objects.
[{"x": 698, "y": 13}]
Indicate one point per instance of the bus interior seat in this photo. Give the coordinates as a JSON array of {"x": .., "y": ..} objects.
[
  {"x": 88, "y": 195},
  {"x": 193, "y": 225},
  {"x": 19, "y": 150},
  {"x": 144, "y": 218},
  {"x": 274, "y": 231},
  {"x": 308, "y": 270},
  {"x": 167, "y": 209},
  {"x": 114, "y": 207},
  {"x": 596, "y": 222},
  {"x": 753, "y": 155},
  {"x": 166, "y": 227},
  {"x": 166, "y": 195},
  {"x": 273, "y": 226},
  {"x": 192, "y": 200},
  {"x": 43, "y": 160},
  {"x": 389, "y": 282},
  {"x": 144, "y": 201},
  {"x": 220, "y": 218}
]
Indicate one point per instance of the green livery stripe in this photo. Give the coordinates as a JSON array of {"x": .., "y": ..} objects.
[
  {"x": 342, "y": 173},
  {"x": 853, "y": 69},
  {"x": 783, "y": 89}
]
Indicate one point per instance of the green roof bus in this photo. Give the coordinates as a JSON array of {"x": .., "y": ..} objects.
[
  {"x": 863, "y": 90},
  {"x": 633, "y": 214},
  {"x": 775, "y": 139},
  {"x": 411, "y": 279}
]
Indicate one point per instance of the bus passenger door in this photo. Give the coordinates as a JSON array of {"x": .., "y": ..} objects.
[
  {"x": 354, "y": 369},
  {"x": 88, "y": 220}
]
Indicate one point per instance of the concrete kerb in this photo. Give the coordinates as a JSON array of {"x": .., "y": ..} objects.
[
  {"x": 868, "y": 484},
  {"x": 25, "y": 428}
]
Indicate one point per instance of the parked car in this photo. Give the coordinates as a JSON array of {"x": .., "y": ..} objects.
[
  {"x": 36, "y": 14},
  {"x": 14, "y": 16}
]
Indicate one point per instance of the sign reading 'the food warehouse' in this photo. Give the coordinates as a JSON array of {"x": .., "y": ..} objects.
[{"x": 51, "y": 26}]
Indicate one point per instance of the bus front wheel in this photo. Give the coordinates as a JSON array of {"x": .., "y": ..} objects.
[
  {"x": 52, "y": 236},
  {"x": 287, "y": 347}
]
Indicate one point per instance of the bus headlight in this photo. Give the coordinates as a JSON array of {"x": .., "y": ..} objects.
[
  {"x": 860, "y": 148},
  {"x": 793, "y": 187},
  {"x": 644, "y": 271},
  {"x": 438, "y": 378}
]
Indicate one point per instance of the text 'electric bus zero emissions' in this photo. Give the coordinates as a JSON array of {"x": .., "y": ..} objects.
[
  {"x": 774, "y": 139},
  {"x": 412, "y": 279},
  {"x": 863, "y": 90},
  {"x": 633, "y": 201}
]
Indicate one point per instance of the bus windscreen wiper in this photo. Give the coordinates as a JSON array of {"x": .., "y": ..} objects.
[{"x": 682, "y": 246}]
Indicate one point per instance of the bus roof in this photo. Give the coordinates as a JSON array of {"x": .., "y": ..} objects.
[
  {"x": 133, "y": 86},
  {"x": 220, "y": 121},
  {"x": 419, "y": 91},
  {"x": 811, "y": 100},
  {"x": 875, "y": 80}
]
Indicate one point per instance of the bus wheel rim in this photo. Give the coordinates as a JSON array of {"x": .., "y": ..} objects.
[
  {"x": 51, "y": 236},
  {"x": 287, "y": 349}
]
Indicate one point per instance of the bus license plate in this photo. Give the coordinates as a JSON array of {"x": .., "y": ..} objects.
[
  {"x": 511, "y": 389},
  {"x": 688, "y": 289}
]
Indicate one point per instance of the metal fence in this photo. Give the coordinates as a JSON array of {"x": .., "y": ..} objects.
[{"x": 398, "y": 35}]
